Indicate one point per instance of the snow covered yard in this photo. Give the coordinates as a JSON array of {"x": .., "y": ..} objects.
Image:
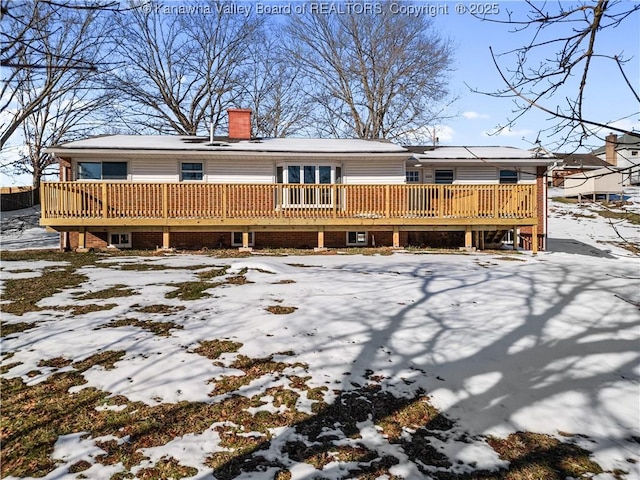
[{"x": 336, "y": 366}]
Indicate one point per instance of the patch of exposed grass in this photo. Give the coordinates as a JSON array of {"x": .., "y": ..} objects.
[
  {"x": 280, "y": 309},
  {"x": 212, "y": 349},
  {"x": 5, "y": 368},
  {"x": 162, "y": 329},
  {"x": 112, "y": 292},
  {"x": 141, "y": 267},
  {"x": 565, "y": 200},
  {"x": 195, "y": 290},
  {"x": 631, "y": 217},
  {"x": 167, "y": 467},
  {"x": 190, "y": 291},
  {"x": 262, "y": 270},
  {"x": 253, "y": 369},
  {"x": 283, "y": 282},
  {"x": 58, "y": 362},
  {"x": 510, "y": 258},
  {"x": 213, "y": 273},
  {"x": 534, "y": 455},
  {"x": 92, "y": 307},
  {"x": 33, "y": 417},
  {"x": 24, "y": 294},
  {"x": 79, "y": 466},
  {"x": 7, "y": 329},
  {"x": 416, "y": 414},
  {"x": 159, "y": 308}
]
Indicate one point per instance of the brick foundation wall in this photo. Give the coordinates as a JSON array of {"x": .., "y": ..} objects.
[
  {"x": 436, "y": 239},
  {"x": 211, "y": 240},
  {"x": 96, "y": 240},
  {"x": 200, "y": 240}
]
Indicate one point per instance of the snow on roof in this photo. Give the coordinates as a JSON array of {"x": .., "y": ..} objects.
[
  {"x": 484, "y": 153},
  {"x": 167, "y": 142}
]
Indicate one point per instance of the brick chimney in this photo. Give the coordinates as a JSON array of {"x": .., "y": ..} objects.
[
  {"x": 239, "y": 123},
  {"x": 611, "y": 142}
]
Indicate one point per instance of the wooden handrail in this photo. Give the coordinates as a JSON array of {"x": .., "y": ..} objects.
[{"x": 245, "y": 201}]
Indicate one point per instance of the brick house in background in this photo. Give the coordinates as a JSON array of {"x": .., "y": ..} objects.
[{"x": 193, "y": 192}]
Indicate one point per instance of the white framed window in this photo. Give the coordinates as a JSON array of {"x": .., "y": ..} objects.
[
  {"x": 357, "y": 239},
  {"x": 413, "y": 176},
  {"x": 119, "y": 239},
  {"x": 191, "y": 171},
  {"x": 102, "y": 171},
  {"x": 444, "y": 176},
  {"x": 236, "y": 239},
  {"x": 308, "y": 174},
  {"x": 508, "y": 177}
]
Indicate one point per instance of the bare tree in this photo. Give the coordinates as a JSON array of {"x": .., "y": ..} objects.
[
  {"x": 47, "y": 47},
  {"x": 553, "y": 71},
  {"x": 180, "y": 71},
  {"x": 272, "y": 89},
  {"x": 372, "y": 73},
  {"x": 52, "y": 86}
]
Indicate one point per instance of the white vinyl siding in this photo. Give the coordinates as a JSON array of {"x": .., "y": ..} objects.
[
  {"x": 476, "y": 175},
  {"x": 154, "y": 170},
  {"x": 373, "y": 171},
  {"x": 240, "y": 171},
  {"x": 527, "y": 174}
]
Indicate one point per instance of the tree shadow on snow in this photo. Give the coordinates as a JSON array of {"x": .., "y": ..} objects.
[{"x": 565, "y": 327}]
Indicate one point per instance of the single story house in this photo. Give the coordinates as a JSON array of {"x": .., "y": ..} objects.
[
  {"x": 603, "y": 181},
  {"x": 193, "y": 192},
  {"x": 623, "y": 152}
]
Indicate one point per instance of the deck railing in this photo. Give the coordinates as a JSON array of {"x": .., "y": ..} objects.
[{"x": 119, "y": 200}]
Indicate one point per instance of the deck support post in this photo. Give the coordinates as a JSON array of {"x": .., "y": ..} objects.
[
  {"x": 320, "y": 247},
  {"x": 245, "y": 241},
  {"x": 481, "y": 240},
  {"x": 534, "y": 239},
  {"x": 468, "y": 238},
  {"x": 166, "y": 238},
  {"x": 516, "y": 239},
  {"x": 396, "y": 237},
  {"x": 82, "y": 240}
]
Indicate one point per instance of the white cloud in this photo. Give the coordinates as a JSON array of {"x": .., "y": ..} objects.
[
  {"x": 445, "y": 133},
  {"x": 474, "y": 115}
]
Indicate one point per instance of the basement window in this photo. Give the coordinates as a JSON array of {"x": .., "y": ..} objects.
[
  {"x": 119, "y": 240},
  {"x": 356, "y": 239},
  {"x": 236, "y": 239}
]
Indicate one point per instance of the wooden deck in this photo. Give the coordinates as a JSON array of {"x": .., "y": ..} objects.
[{"x": 191, "y": 206}]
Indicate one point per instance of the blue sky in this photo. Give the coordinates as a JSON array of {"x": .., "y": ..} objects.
[{"x": 608, "y": 99}]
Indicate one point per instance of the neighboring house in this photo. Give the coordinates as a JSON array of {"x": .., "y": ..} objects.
[
  {"x": 192, "y": 192},
  {"x": 602, "y": 181},
  {"x": 573, "y": 163},
  {"x": 623, "y": 152}
]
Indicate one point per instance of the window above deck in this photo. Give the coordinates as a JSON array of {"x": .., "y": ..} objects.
[{"x": 102, "y": 171}]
